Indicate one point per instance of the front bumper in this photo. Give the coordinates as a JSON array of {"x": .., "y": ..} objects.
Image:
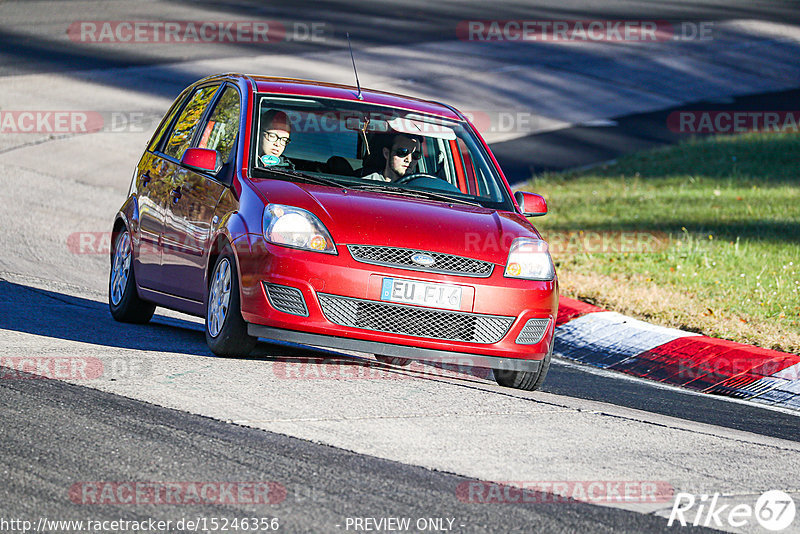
[
  {"x": 318, "y": 277},
  {"x": 389, "y": 349}
]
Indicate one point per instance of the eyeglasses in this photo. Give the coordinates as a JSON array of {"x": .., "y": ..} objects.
[
  {"x": 272, "y": 137},
  {"x": 403, "y": 152}
]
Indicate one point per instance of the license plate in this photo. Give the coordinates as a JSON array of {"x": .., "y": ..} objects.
[{"x": 421, "y": 293}]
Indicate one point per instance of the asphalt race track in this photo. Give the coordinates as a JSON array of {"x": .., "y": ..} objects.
[{"x": 325, "y": 441}]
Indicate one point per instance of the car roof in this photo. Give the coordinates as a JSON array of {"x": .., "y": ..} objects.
[{"x": 299, "y": 87}]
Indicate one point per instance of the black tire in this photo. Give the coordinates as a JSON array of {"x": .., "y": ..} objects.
[
  {"x": 525, "y": 380},
  {"x": 226, "y": 330},
  {"x": 393, "y": 360},
  {"x": 123, "y": 300}
]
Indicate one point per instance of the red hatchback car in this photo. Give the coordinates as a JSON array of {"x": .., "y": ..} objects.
[{"x": 319, "y": 214}]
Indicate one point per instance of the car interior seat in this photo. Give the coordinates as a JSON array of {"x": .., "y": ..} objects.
[{"x": 339, "y": 165}]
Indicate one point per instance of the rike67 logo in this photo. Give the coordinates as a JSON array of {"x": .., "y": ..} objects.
[{"x": 774, "y": 511}]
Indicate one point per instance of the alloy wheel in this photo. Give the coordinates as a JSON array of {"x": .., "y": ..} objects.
[
  {"x": 219, "y": 298},
  {"x": 121, "y": 268}
]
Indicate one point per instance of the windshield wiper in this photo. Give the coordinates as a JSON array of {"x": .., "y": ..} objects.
[
  {"x": 416, "y": 193},
  {"x": 297, "y": 174}
]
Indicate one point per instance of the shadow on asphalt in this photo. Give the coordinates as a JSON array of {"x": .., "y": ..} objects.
[
  {"x": 57, "y": 434},
  {"x": 56, "y": 315},
  {"x": 372, "y": 25}
]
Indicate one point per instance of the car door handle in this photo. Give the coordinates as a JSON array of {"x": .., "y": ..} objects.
[
  {"x": 145, "y": 178},
  {"x": 175, "y": 194}
]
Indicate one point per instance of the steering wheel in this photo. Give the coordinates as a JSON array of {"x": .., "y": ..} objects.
[
  {"x": 429, "y": 181},
  {"x": 407, "y": 178}
]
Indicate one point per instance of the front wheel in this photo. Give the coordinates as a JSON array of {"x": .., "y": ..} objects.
[
  {"x": 525, "y": 380},
  {"x": 226, "y": 330},
  {"x": 123, "y": 300}
]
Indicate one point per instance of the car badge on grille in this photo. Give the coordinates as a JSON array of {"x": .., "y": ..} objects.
[{"x": 425, "y": 260}]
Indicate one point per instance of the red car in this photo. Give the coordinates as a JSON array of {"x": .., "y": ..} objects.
[{"x": 319, "y": 214}]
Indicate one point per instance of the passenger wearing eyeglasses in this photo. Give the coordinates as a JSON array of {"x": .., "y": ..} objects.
[
  {"x": 275, "y": 132},
  {"x": 401, "y": 159}
]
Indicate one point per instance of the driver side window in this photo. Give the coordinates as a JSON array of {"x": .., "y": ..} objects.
[{"x": 222, "y": 127}]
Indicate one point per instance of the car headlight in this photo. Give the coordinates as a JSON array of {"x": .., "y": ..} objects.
[
  {"x": 528, "y": 258},
  {"x": 297, "y": 228}
]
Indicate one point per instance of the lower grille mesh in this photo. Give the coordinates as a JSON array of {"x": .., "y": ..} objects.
[
  {"x": 533, "y": 331},
  {"x": 286, "y": 299},
  {"x": 413, "y": 320}
]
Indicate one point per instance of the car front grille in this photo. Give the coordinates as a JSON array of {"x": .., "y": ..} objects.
[
  {"x": 286, "y": 299},
  {"x": 401, "y": 258},
  {"x": 413, "y": 320},
  {"x": 533, "y": 331}
]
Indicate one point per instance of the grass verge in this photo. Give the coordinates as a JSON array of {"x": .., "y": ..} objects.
[{"x": 702, "y": 236}]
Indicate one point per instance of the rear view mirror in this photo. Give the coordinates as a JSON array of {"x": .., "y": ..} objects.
[
  {"x": 202, "y": 159},
  {"x": 358, "y": 125},
  {"x": 531, "y": 204}
]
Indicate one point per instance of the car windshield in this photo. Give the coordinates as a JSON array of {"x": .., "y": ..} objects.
[{"x": 364, "y": 146}]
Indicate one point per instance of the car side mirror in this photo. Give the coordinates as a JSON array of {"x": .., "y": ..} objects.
[
  {"x": 531, "y": 204},
  {"x": 202, "y": 159}
]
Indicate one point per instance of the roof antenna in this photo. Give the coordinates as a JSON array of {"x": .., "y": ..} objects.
[{"x": 354, "y": 67}]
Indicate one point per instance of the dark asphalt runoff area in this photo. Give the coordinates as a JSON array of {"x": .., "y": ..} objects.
[{"x": 58, "y": 435}]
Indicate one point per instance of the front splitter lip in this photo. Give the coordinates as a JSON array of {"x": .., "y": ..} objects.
[{"x": 390, "y": 349}]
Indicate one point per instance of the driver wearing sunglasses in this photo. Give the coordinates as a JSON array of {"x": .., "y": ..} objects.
[{"x": 401, "y": 159}]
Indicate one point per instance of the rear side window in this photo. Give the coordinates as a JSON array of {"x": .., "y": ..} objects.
[
  {"x": 185, "y": 126},
  {"x": 165, "y": 123},
  {"x": 221, "y": 129}
]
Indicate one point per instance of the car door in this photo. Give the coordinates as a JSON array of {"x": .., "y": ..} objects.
[
  {"x": 151, "y": 177},
  {"x": 194, "y": 197},
  {"x": 166, "y": 158},
  {"x": 150, "y": 189}
]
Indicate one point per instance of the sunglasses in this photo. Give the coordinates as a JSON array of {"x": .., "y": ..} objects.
[
  {"x": 403, "y": 152},
  {"x": 273, "y": 137}
]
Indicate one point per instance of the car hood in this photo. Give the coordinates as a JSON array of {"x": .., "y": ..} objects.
[{"x": 361, "y": 217}]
